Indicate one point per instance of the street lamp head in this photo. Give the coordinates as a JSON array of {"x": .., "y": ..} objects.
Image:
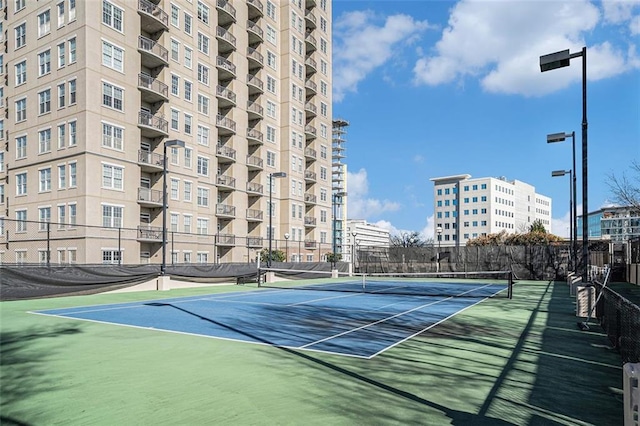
[
  {"x": 286, "y": 235},
  {"x": 174, "y": 142},
  {"x": 555, "y": 60},
  {"x": 557, "y": 173},
  {"x": 557, "y": 137},
  {"x": 278, "y": 174},
  {"x": 439, "y": 230}
]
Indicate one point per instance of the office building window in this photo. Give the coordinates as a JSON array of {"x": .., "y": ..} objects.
[
  {"x": 44, "y": 62},
  {"x": 21, "y": 183},
  {"x": 44, "y": 23},
  {"x": 44, "y": 101},
  {"x": 21, "y": 147},
  {"x": 112, "y": 15},
  {"x": 21, "y": 72},
  {"x": 21, "y": 35},
  {"x": 112, "y": 56},
  {"x": 112, "y": 216},
  {"x": 112, "y": 136},
  {"x": 44, "y": 141},
  {"x": 112, "y": 96}
]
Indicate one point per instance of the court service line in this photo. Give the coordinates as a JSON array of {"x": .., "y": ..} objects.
[{"x": 382, "y": 320}]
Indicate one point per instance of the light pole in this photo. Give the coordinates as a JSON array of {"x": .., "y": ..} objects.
[
  {"x": 558, "y": 60},
  {"x": 558, "y": 173},
  {"x": 271, "y": 176},
  {"x": 560, "y": 137},
  {"x": 178, "y": 143},
  {"x": 286, "y": 246},
  {"x": 439, "y": 232}
]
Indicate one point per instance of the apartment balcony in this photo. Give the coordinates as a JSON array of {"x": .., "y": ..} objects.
[
  {"x": 255, "y": 110},
  {"x": 310, "y": 199},
  {"x": 310, "y": 43},
  {"x": 256, "y": 60},
  {"x": 256, "y": 9},
  {"x": 310, "y": 222},
  {"x": 311, "y": 66},
  {"x": 226, "y": 12},
  {"x": 254, "y": 215},
  {"x": 148, "y": 197},
  {"x": 226, "y": 69},
  {"x": 150, "y": 161},
  {"x": 226, "y": 126},
  {"x": 308, "y": 4},
  {"x": 310, "y": 177},
  {"x": 226, "y": 98},
  {"x": 225, "y": 183},
  {"x": 255, "y": 163},
  {"x": 152, "y": 53},
  {"x": 310, "y": 154},
  {"x": 310, "y": 244},
  {"x": 152, "y": 17},
  {"x": 225, "y": 211},
  {"x": 310, "y": 132},
  {"x": 255, "y": 85},
  {"x": 311, "y": 86},
  {"x": 256, "y": 242},
  {"x": 255, "y": 137},
  {"x": 152, "y": 90},
  {"x": 311, "y": 109},
  {"x": 226, "y": 40},
  {"x": 255, "y": 188},
  {"x": 310, "y": 19},
  {"x": 228, "y": 240},
  {"x": 152, "y": 126},
  {"x": 225, "y": 154},
  {"x": 149, "y": 234},
  {"x": 256, "y": 35}
]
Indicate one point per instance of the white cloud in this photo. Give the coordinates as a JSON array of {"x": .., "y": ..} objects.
[
  {"x": 360, "y": 46},
  {"x": 359, "y": 205},
  {"x": 500, "y": 43},
  {"x": 619, "y": 11},
  {"x": 560, "y": 226}
]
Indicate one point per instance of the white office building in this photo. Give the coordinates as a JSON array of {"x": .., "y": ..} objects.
[
  {"x": 467, "y": 208},
  {"x": 362, "y": 234}
]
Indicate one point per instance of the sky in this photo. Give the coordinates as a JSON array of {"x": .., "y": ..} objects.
[{"x": 440, "y": 88}]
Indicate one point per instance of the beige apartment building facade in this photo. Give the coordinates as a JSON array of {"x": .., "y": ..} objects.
[{"x": 96, "y": 91}]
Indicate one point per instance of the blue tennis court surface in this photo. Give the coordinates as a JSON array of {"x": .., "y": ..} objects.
[{"x": 352, "y": 324}]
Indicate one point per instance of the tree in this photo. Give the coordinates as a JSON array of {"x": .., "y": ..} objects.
[
  {"x": 537, "y": 226},
  {"x": 626, "y": 189},
  {"x": 276, "y": 256},
  {"x": 410, "y": 239},
  {"x": 333, "y": 257}
]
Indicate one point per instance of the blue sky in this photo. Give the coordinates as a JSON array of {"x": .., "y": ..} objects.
[{"x": 437, "y": 88}]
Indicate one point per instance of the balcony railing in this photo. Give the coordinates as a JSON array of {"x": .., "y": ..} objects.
[
  {"x": 154, "y": 18},
  {"x": 310, "y": 176},
  {"x": 155, "y": 86},
  {"x": 225, "y": 210},
  {"x": 154, "y": 123},
  {"x": 224, "y": 180},
  {"x": 255, "y": 135},
  {"x": 311, "y": 108},
  {"x": 310, "y": 198},
  {"x": 225, "y": 151},
  {"x": 225, "y": 239},
  {"x": 252, "y": 80},
  {"x": 311, "y": 42},
  {"x": 255, "y": 215},
  {"x": 311, "y": 86},
  {"x": 255, "y": 161},
  {"x": 222, "y": 121},
  {"x": 309, "y": 244},
  {"x": 256, "y": 188},
  {"x": 224, "y": 35},
  {"x": 255, "y": 107},
  {"x": 256, "y": 56},
  {"x": 309, "y": 221},
  {"x": 159, "y": 55},
  {"x": 226, "y": 65},
  {"x": 148, "y": 195},
  {"x": 254, "y": 241},
  {"x": 150, "y": 158},
  {"x": 254, "y": 28},
  {"x": 310, "y": 153},
  {"x": 223, "y": 92},
  {"x": 255, "y": 8},
  {"x": 151, "y": 233},
  {"x": 225, "y": 6}
]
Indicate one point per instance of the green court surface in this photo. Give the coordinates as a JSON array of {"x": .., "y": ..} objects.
[{"x": 521, "y": 361}]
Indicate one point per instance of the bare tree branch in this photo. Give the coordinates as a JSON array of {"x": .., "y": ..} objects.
[{"x": 625, "y": 189}]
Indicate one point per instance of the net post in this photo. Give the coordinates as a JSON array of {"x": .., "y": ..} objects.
[{"x": 510, "y": 285}]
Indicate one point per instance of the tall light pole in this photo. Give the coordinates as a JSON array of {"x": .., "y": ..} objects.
[
  {"x": 169, "y": 143},
  {"x": 271, "y": 176},
  {"x": 561, "y": 137},
  {"x": 558, "y": 60},
  {"x": 557, "y": 173},
  {"x": 286, "y": 246},
  {"x": 439, "y": 232}
]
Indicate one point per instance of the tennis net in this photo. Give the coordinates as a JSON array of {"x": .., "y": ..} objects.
[{"x": 446, "y": 284}]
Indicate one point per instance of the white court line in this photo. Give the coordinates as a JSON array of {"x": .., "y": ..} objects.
[{"x": 391, "y": 317}]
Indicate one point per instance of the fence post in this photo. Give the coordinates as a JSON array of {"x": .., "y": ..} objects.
[
  {"x": 172, "y": 248},
  {"x": 119, "y": 246},
  {"x": 48, "y": 243}
]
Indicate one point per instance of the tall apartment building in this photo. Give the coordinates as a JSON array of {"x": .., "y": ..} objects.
[
  {"x": 467, "y": 208},
  {"x": 95, "y": 90}
]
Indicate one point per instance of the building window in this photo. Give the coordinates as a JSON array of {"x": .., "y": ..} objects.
[
  {"x": 21, "y": 184},
  {"x": 20, "y": 4},
  {"x": 21, "y": 147},
  {"x": 44, "y": 101},
  {"x": 21, "y": 35},
  {"x": 45, "y": 180},
  {"x": 203, "y": 166},
  {"x": 187, "y": 123},
  {"x": 175, "y": 16},
  {"x": 62, "y": 55},
  {"x": 112, "y": 176},
  {"x": 72, "y": 50},
  {"x": 203, "y": 197},
  {"x": 188, "y": 22},
  {"x": 271, "y": 60},
  {"x": 175, "y": 50},
  {"x": 72, "y": 92},
  {"x": 72, "y": 175},
  {"x": 203, "y": 104},
  {"x": 203, "y": 43},
  {"x": 203, "y": 135},
  {"x": 44, "y": 217},
  {"x": 271, "y": 10},
  {"x": 112, "y": 96},
  {"x": 112, "y": 15},
  {"x": 62, "y": 91},
  {"x": 111, "y": 216},
  {"x": 203, "y": 74},
  {"x": 44, "y": 23},
  {"x": 112, "y": 136},
  {"x": 21, "y": 72},
  {"x": 202, "y": 226},
  {"x": 203, "y": 13},
  {"x": 61, "y": 14},
  {"x": 187, "y": 90},
  {"x": 72, "y": 133},
  {"x": 175, "y": 85},
  {"x": 62, "y": 176},
  {"x": 111, "y": 257},
  {"x": 187, "y": 191},
  {"x": 44, "y": 62},
  {"x": 271, "y": 84},
  {"x": 188, "y": 54},
  {"x": 112, "y": 56},
  {"x": 175, "y": 119},
  {"x": 44, "y": 141},
  {"x": 271, "y": 134}
]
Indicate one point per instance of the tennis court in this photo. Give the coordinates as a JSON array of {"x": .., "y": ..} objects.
[{"x": 345, "y": 316}]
